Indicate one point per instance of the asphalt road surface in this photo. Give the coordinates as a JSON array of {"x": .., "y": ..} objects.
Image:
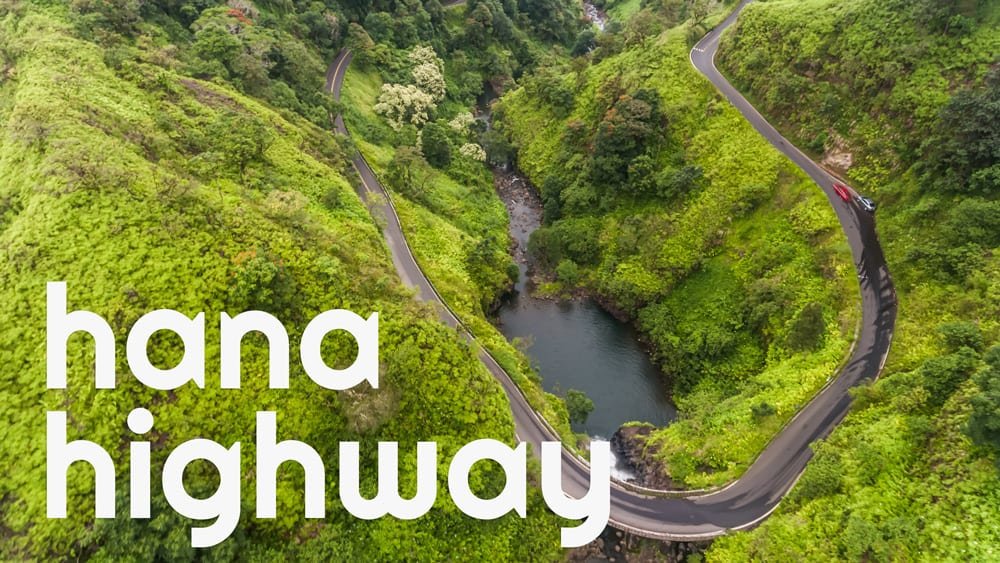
[{"x": 694, "y": 515}]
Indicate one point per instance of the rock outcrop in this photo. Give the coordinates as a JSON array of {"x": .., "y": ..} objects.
[{"x": 629, "y": 442}]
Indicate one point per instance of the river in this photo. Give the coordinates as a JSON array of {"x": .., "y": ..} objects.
[{"x": 575, "y": 344}]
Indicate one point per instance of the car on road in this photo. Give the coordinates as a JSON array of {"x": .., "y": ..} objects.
[
  {"x": 842, "y": 191},
  {"x": 866, "y": 203}
]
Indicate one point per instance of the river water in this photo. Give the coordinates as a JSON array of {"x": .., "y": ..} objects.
[{"x": 575, "y": 344}]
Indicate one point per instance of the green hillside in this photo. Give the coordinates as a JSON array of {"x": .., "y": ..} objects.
[
  {"x": 148, "y": 173},
  {"x": 899, "y": 97},
  {"x": 675, "y": 212},
  {"x": 910, "y": 91},
  {"x": 181, "y": 154}
]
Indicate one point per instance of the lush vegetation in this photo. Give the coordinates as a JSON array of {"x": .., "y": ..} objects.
[
  {"x": 902, "y": 98},
  {"x": 660, "y": 198},
  {"x": 419, "y": 135},
  {"x": 174, "y": 155},
  {"x": 180, "y": 154}
]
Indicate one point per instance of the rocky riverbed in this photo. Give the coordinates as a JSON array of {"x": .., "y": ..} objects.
[
  {"x": 524, "y": 208},
  {"x": 595, "y": 15}
]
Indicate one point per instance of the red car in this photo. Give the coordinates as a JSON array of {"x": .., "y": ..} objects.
[{"x": 842, "y": 191}]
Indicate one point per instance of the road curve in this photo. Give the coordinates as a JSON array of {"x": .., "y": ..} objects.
[{"x": 693, "y": 515}]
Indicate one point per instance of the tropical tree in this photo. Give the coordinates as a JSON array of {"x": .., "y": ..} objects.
[
  {"x": 401, "y": 104},
  {"x": 435, "y": 145}
]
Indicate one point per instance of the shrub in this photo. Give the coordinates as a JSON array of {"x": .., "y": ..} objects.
[
  {"x": 435, "y": 145},
  {"x": 331, "y": 199},
  {"x": 959, "y": 334},
  {"x": 762, "y": 410},
  {"x": 567, "y": 272},
  {"x": 943, "y": 375},
  {"x": 984, "y": 422},
  {"x": 823, "y": 477},
  {"x": 807, "y": 328},
  {"x": 579, "y": 406},
  {"x": 585, "y": 42},
  {"x": 545, "y": 247},
  {"x": 261, "y": 282},
  {"x": 499, "y": 151}
]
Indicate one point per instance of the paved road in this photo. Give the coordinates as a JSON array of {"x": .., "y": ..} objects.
[{"x": 694, "y": 515}]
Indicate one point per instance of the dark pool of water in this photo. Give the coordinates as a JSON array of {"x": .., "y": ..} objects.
[{"x": 577, "y": 345}]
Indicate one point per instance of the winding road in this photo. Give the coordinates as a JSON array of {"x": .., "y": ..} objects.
[{"x": 694, "y": 515}]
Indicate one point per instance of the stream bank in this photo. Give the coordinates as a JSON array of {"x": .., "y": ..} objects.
[
  {"x": 586, "y": 343},
  {"x": 575, "y": 343}
]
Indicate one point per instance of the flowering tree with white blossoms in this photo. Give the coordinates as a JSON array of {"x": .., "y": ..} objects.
[
  {"x": 428, "y": 71},
  {"x": 428, "y": 78},
  {"x": 473, "y": 151},
  {"x": 461, "y": 122},
  {"x": 423, "y": 55},
  {"x": 404, "y": 104},
  {"x": 412, "y": 103}
]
